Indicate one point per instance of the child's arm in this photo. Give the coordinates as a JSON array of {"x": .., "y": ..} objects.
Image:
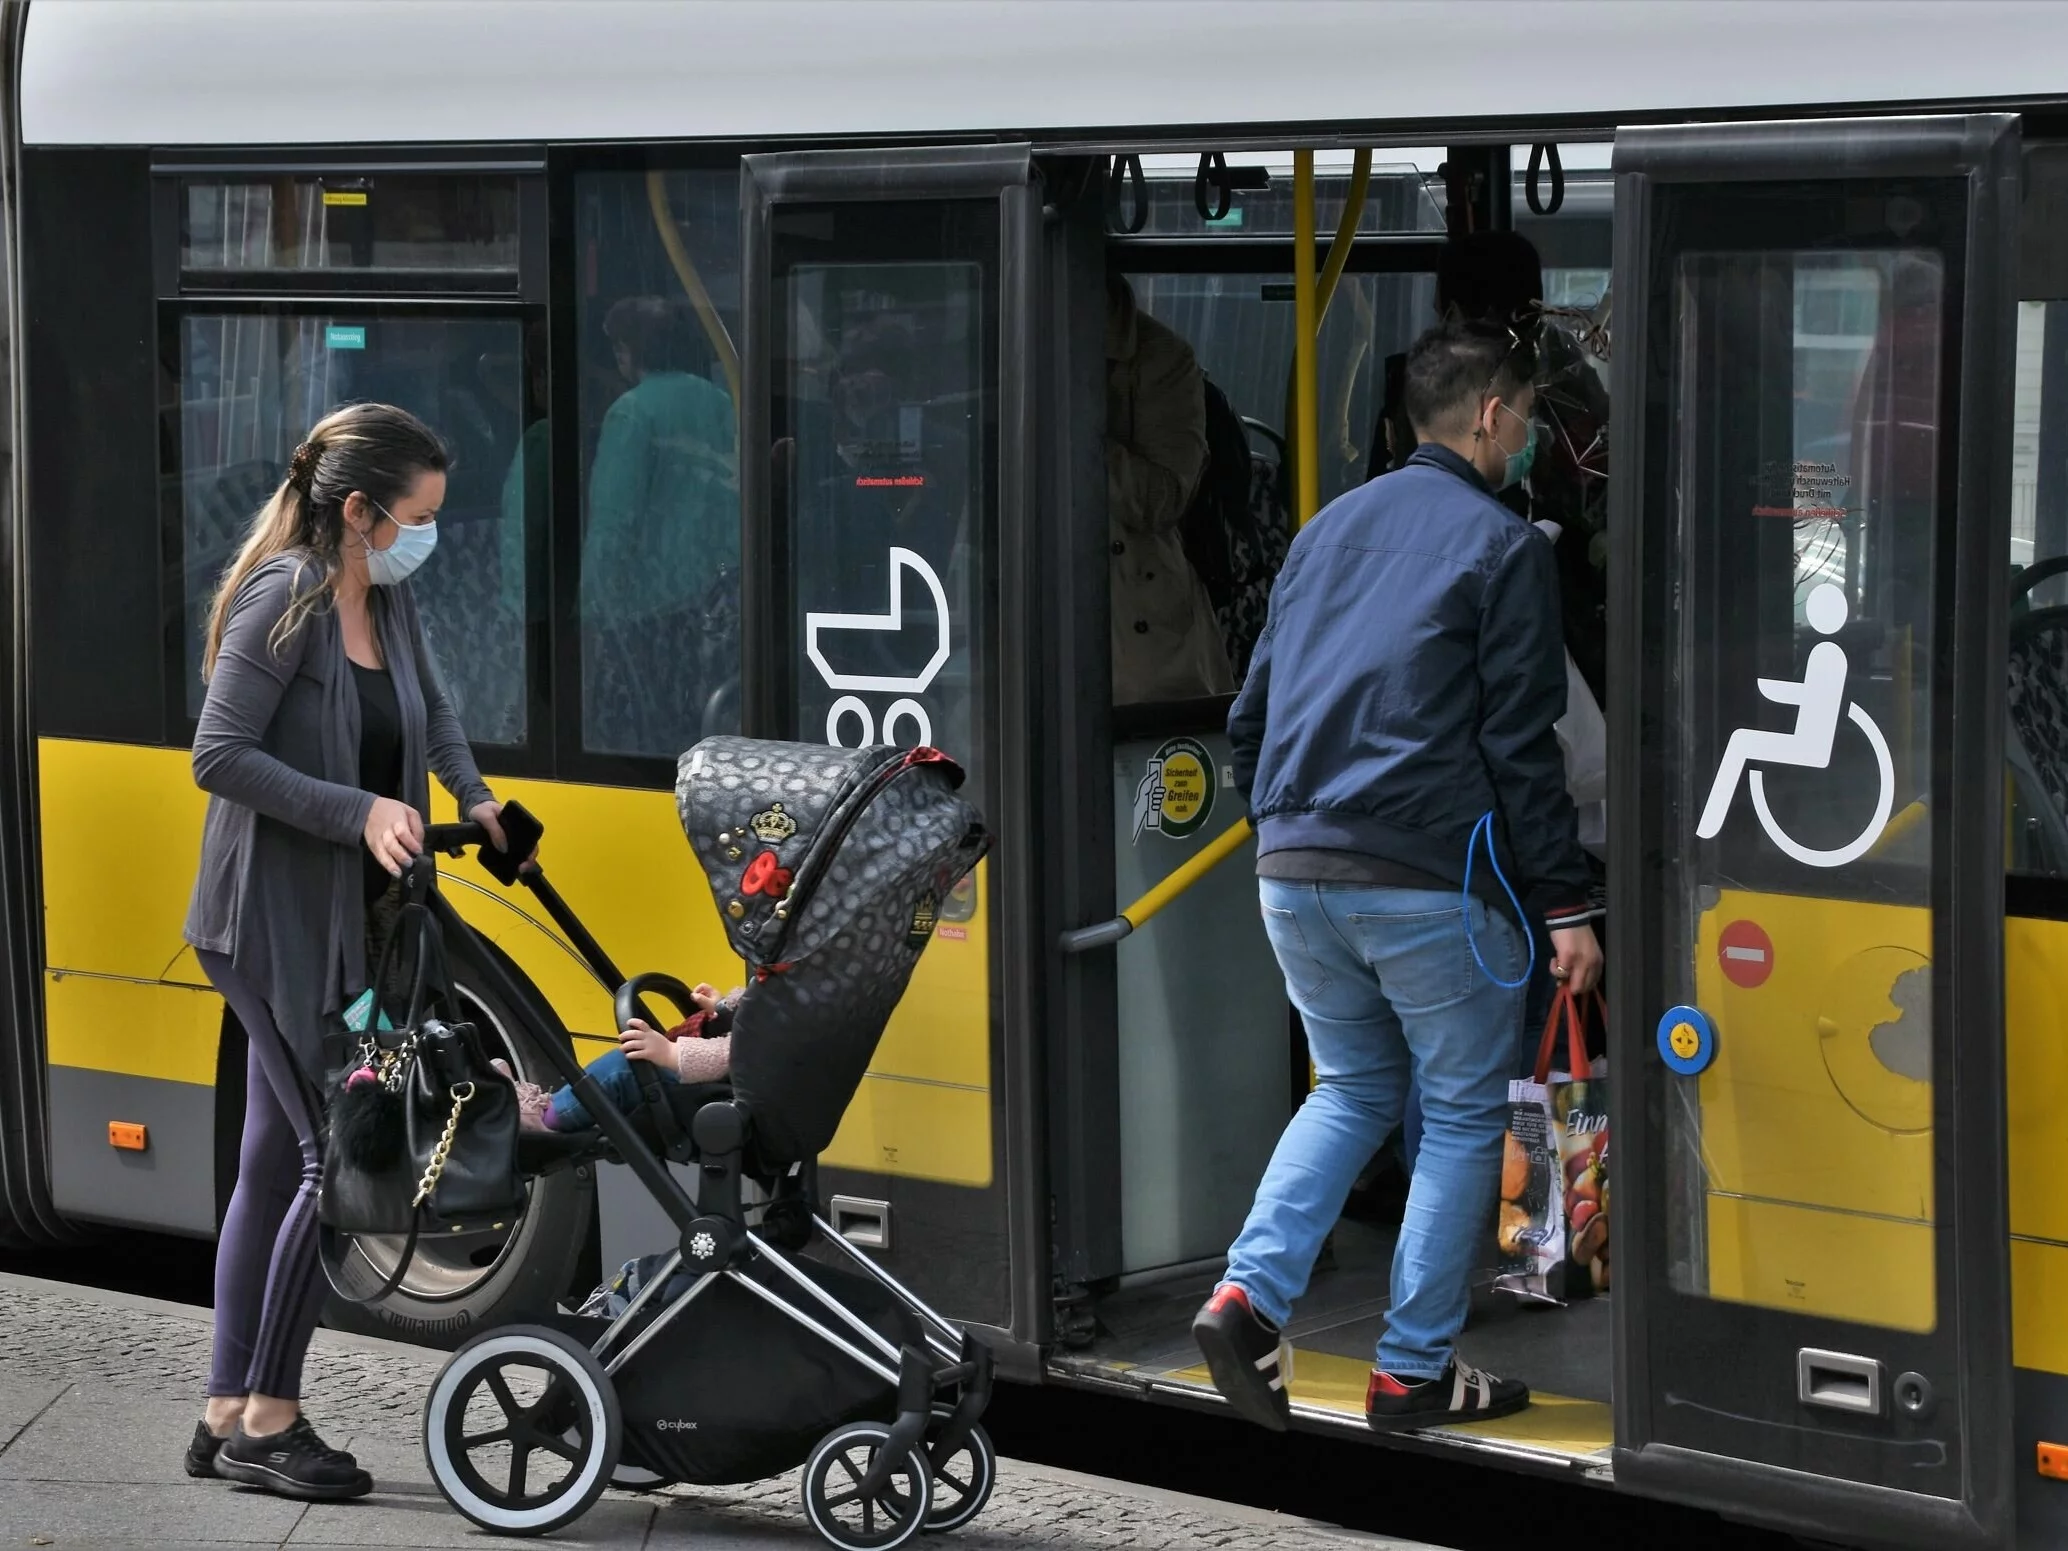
[{"x": 703, "y": 1060}]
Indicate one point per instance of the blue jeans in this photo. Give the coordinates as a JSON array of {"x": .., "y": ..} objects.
[
  {"x": 1535, "y": 1010},
  {"x": 613, "y": 1069},
  {"x": 1386, "y": 985}
]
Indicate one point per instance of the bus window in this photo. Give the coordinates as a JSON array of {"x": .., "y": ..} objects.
[
  {"x": 1239, "y": 327},
  {"x": 420, "y": 223},
  {"x": 250, "y": 386},
  {"x": 2037, "y": 740},
  {"x": 1404, "y": 196},
  {"x": 660, "y": 476}
]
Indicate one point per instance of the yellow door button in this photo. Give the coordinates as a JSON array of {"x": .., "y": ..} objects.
[{"x": 1685, "y": 1041}]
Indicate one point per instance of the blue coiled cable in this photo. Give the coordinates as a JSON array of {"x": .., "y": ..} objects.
[{"x": 1485, "y": 827}]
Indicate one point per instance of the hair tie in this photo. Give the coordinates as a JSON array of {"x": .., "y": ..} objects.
[{"x": 301, "y": 468}]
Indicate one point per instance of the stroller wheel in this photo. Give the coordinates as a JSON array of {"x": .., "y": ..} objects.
[
  {"x": 962, "y": 1482},
  {"x": 835, "y": 1505},
  {"x": 522, "y": 1430}
]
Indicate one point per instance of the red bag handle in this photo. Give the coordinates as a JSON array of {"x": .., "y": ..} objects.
[{"x": 1563, "y": 1002}]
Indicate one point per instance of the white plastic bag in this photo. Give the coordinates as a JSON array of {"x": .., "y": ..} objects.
[{"x": 1583, "y": 736}]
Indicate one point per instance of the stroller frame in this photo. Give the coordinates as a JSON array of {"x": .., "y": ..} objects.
[{"x": 717, "y": 1242}]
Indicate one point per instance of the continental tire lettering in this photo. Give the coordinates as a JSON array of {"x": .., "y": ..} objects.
[{"x": 429, "y": 1327}]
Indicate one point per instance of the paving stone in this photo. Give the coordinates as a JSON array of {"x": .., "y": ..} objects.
[{"x": 99, "y": 1394}]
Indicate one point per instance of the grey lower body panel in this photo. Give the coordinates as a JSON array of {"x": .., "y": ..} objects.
[{"x": 169, "y": 1186}]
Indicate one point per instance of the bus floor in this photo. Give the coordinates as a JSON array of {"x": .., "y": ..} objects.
[{"x": 1144, "y": 1338}]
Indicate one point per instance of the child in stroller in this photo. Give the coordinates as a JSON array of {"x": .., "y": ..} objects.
[
  {"x": 696, "y": 1050},
  {"x": 828, "y": 867}
]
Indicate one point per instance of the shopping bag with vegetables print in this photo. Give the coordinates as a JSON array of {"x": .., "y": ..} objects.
[{"x": 1553, "y": 1230}]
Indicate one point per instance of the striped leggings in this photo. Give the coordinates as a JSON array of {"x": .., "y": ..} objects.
[{"x": 269, "y": 1284}]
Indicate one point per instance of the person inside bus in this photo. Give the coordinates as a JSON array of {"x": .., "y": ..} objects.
[
  {"x": 661, "y": 536},
  {"x": 1401, "y": 706},
  {"x": 696, "y": 1050},
  {"x": 324, "y": 719},
  {"x": 1166, "y": 641}
]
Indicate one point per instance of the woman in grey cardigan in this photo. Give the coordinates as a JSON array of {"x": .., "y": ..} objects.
[{"x": 323, "y": 719}]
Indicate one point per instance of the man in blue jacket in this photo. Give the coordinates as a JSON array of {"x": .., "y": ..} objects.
[{"x": 1398, "y": 712}]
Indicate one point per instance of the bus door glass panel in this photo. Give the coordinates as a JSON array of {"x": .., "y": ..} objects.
[
  {"x": 250, "y": 387},
  {"x": 882, "y": 372},
  {"x": 885, "y": 391},
  {"x": 1808, "y": 389},
  {"x": 1810, "y": 1273}
]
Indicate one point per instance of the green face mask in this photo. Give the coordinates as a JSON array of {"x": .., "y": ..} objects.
[{"x": 1519, "y": 463}]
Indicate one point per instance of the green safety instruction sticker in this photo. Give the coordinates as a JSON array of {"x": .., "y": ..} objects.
[
  {"x": 340, "y": 336},
  {"x": 1175, "y": 797}
]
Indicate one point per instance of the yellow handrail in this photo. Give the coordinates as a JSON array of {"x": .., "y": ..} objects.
[
  {"x": 1331, "y": 272},
  {"x": 1181, "y": 878},
  {"x": 1346, "y": 233},
  {"x": 693, "y": 283},
  {"x": 1306, "y": 410}
]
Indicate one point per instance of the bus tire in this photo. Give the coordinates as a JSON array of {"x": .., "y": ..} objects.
[{"x": 455, "y": 1291}]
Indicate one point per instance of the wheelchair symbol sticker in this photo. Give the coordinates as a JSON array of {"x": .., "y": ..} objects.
[{"x": 1819, "y": 700}]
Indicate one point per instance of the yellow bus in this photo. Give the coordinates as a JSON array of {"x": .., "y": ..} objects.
[{"x": 879, "y": 235}]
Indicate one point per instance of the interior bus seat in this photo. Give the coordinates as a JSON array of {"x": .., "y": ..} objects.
[{"x": 2037, "y": 735}]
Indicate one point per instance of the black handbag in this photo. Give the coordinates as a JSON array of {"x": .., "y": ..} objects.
[{"x": 421, "y": 1130}]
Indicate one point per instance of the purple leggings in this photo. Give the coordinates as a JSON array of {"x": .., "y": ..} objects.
[{"x": 269, "y": 1284}]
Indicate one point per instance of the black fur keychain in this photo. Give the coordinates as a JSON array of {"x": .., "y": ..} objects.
[{"x": 367, "y": 1126}]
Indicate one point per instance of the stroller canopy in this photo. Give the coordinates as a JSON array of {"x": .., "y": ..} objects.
[{"x": 828, "y": 867}]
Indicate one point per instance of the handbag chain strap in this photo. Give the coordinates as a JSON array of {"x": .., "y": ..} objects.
[{"x": 432, "y": 1170}]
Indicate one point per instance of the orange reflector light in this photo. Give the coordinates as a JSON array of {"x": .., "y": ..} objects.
[
  {"x": 129, "y": 1135},
  {"x": 2053, "y": 1460}
]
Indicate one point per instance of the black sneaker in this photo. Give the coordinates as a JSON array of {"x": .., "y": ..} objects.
[
  {"x": 1461, "y": 1393},
  {"x": 1245, "y": 1356},
  {"x": 292, "y": 1463},
  {"x": 202, "y": 1451}
]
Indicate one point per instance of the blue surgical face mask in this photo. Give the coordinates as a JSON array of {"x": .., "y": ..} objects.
[
  {"x": 400, "y": 560},
  {"x": 1518, "y": 465}
]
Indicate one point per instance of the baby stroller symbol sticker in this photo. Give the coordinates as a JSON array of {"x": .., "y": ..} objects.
[
  {"x": 1819, "y": 700},
  {"x": 866, "y": 628}
]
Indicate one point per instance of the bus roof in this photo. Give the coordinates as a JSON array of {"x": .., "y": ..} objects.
[{"x": 259, "y": 72}]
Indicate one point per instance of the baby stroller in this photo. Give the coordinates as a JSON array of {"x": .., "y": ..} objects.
[{"x": 739, "y": 1359}]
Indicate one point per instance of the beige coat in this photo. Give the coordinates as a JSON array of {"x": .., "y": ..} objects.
[{"x": 1166, "y": 642}]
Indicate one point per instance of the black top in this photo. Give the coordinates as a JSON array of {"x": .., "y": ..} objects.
[{"x": 380, "y": 753}]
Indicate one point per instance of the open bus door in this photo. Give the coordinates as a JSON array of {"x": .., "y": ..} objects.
[
  {"x": 1811, "y": 511},
  {"x": 889, "y": 372}
]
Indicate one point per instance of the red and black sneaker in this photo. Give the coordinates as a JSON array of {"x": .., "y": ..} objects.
[
  {"x": 1246, "y": 1356},
  {"x": 1461, "y": 1393}
]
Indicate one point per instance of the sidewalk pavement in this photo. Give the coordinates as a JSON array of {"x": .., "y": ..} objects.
[{"x": 99, "y": 1393}]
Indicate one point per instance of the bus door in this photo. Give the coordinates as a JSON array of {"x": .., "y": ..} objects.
[
  {"x": 887, "y": 388},
  {"x": 1807, "y": 817}
]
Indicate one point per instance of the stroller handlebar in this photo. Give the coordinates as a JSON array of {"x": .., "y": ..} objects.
[
  {"x": 453, "y": 838},
  {"x": 629, "y": 1003}
]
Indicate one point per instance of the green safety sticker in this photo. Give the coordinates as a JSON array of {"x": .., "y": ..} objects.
[
  {"x": 343, "y": 336},
  {"x": 1175, "y": 797}
]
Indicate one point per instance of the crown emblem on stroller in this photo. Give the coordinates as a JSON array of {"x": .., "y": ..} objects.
[{"x": 773, "y": 826}]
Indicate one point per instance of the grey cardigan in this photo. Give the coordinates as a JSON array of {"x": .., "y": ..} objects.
[{"x": 281, "y": 886}]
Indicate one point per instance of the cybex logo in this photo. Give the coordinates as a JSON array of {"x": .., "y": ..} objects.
[{"x": 678, "y": 1426}]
